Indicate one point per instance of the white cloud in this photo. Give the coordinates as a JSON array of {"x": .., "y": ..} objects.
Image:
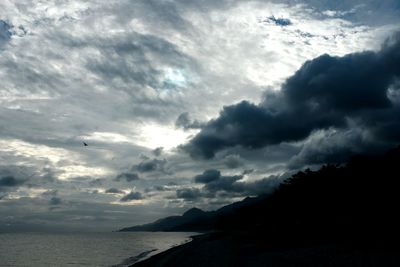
[{"x": 116, "y": 74}]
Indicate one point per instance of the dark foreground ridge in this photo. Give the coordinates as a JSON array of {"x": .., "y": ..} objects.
[
  {"x": 336, "y": 216},
  {"x": 235, "y": 250}
]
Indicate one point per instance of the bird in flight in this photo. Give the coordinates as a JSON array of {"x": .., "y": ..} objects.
[{"x": 84, "y": 144}]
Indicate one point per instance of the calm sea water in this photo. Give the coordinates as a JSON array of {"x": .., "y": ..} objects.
[{"x": 83, "y": 249}]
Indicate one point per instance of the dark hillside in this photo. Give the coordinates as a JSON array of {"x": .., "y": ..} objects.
[{"x": 359, "y": 199}]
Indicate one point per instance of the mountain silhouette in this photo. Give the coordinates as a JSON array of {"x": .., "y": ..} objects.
[
  {"x": 192, "y": 219},
  {"x": 357, "y": 200}
]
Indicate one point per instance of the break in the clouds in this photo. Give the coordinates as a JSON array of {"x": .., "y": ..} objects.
[{"x": 135, "y": 80}]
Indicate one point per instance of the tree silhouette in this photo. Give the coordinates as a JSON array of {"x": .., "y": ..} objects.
[{"x": 356, "y": 200}]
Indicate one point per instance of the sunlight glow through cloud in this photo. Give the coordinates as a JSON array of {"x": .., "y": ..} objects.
[
  {"x": 175, "y": 78},
  {"x": 154, "y": 135},
  {"x": 118, "y": 75}
]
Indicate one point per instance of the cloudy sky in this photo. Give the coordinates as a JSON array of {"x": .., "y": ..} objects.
[{"x": 183, "y": 103}]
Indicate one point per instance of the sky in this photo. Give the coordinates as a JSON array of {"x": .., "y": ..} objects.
[{"x": 183, "y": 103}]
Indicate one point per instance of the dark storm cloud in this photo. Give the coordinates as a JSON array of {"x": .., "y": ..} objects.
[
  {"x": 158, "y": 188},
  {"x": 245, "y": 172},
  {"x": 233, "y": 161},
  {"x": 207, "y": 176},
  {"x": 14, "y": 176},
  {"x": 325, "y": 93},
  {"x": 123, "y": 61},
  {"x": 114, "y": 191},
  {"x": 223, "y": 183},
  {"x": 52, "y": 192},
  {"x": 263, "y": 186},
  {"x": 150, "y": 165},
  {"x": 214, "y": 182},
  {"x": 129, "y": 177},
  {"x": 55, "y": 201},
  {"x": 188, "y": 193},
  {"x": 10, "y": 181},
  {"x": 161, "y": 188},
  {"x": 184, "y": 121},
  {"x": 333, "y": 146},
  {"x": 96, "y": 182},
  {"x": 158, "y": 151},
  {"x": 131, "y": 196}
]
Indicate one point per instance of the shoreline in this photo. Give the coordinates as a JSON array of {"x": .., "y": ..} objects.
[
  {"x": 231, "y": 249},
  {"x": 132, "y": 261},
  {"x": 164, "y": 253}
]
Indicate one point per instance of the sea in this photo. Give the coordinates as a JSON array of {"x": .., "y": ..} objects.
[{"x": 118, "y": 249}]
